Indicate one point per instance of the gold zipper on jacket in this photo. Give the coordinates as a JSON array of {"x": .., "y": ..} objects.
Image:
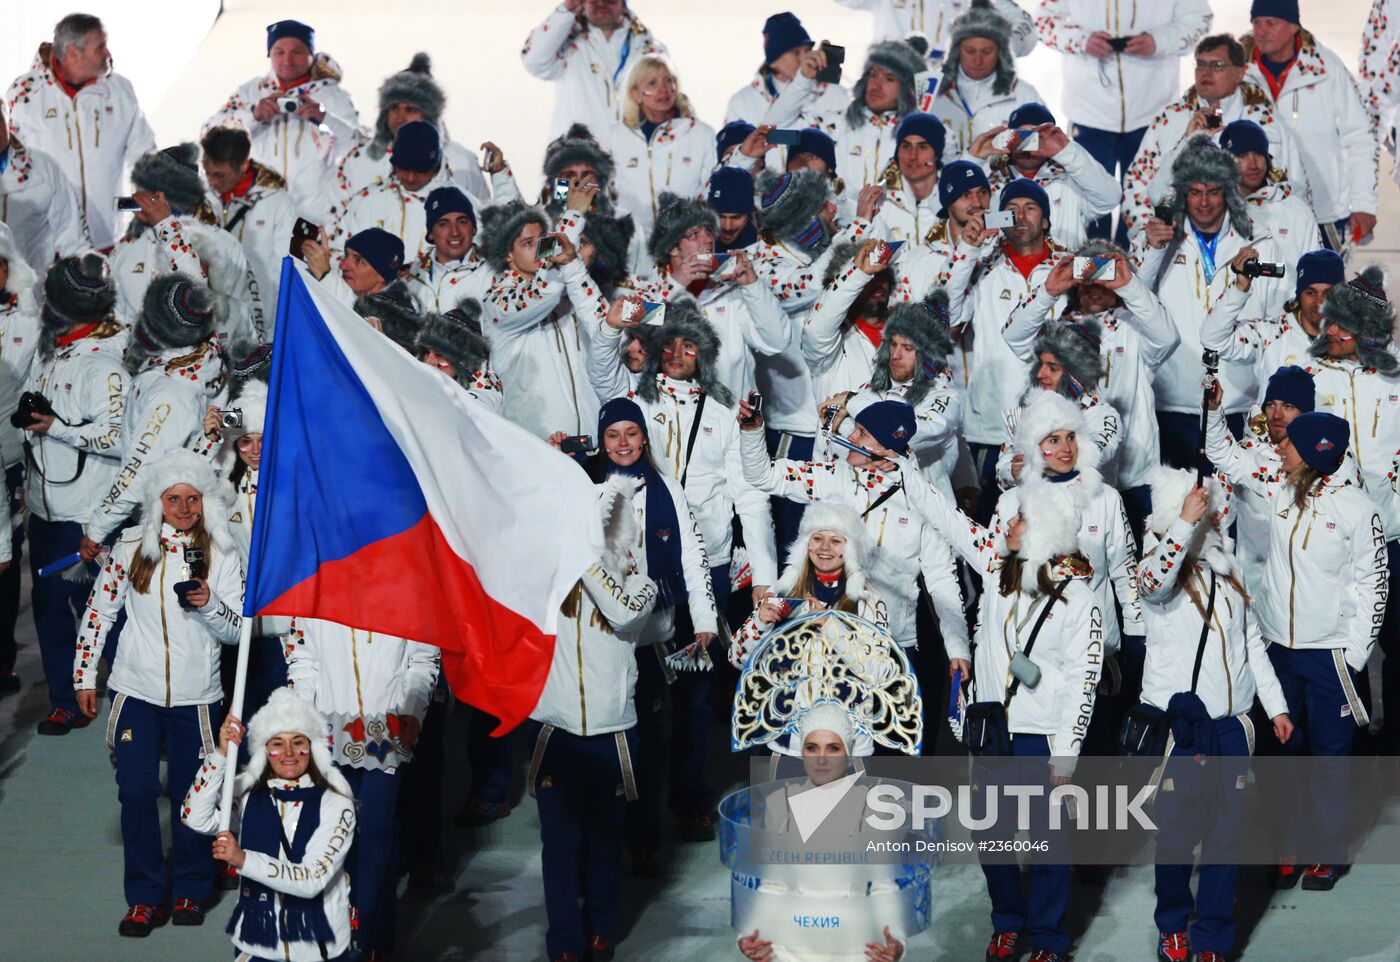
[
  {"x": 96, "y": 128},
  {"x": 82, "y": 166},
  {"x": 355, "y": 661},
  {"x": 164, "y": 630},
  {"x": 1375, "y": 420},
  {"x": 651, "y": 177},
  {"x": 582, "y": 701},
  {"x": 1356, "y": 420},
  {"x": 1292, "y": 580}
]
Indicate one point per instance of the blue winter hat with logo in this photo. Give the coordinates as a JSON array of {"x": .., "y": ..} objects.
[
  {"x": 381, "y": 249},
  {"x": 1320, "y": 440},
  {"x": 891, "y": 423},
  {"x": 781, "y": 33},
  {"x": 447, "y": 200},
  {"x": 1242, "y": 137},
  {"x": 417, "y": 147},
  {"x": 1320, "y": 267},
  {"x": 1293, "y": 385},
  {"x": 731, "y": 191},
  {"x": 291, "y": 28},
  {"x": 957, "y": 179}
]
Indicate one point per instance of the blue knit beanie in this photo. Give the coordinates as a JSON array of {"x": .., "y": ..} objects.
[
  {"x": 417, "y": 147},
  {"x": 957, "y": 179},
  {"x": 731, "y": 134},
  {"x": 781, "y": 33},
  {"x": 447, "y": 200},
  {"x": 819, "y": 144},
  {"x": 1025, "y": 187},
  {"x": 889, "y": 422},
  {"x": 620, "y": 409},
  {"x": 1242, "y": 137},
  {"x": 1320, "y": 439},
  {"x": 1282, "y": 9},
  {"x": 731, "y": 191},
  {"x": 1320, "y": 267},
  {"x": 1291, "y": 385},
  {"x": 926, "y": 126},
  {"x": 1030, "y": 115},
  {"x": 382, "y": 249},
  {"x": 291, "y": 28}
]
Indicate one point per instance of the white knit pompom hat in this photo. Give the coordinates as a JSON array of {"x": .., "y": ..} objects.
[
  {"x": 1170, "y": 487},
  {"x": 184, "y": 467}
]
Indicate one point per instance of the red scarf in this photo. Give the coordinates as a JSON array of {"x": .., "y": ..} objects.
[
  {"x": 875, "y": 332},
  {"x": 304, "y": 78},
  {"x": 76, "y": 334},
  {"x": 1025, "y": 263},
  {"x": 239, "y": 189},
  {"x": 1276, "y": 83}
]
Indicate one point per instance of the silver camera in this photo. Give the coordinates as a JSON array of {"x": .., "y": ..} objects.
[
  {"x": 289, "y": 105},
  {"x": 231, "y": 418}
]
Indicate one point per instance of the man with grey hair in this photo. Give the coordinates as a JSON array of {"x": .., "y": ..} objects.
[
  {"x": 37, "y": 203},
  {"x": 71, "y": 106}
]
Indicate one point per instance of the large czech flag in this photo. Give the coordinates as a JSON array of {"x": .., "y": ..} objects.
[{"x": 389, "y": 500}]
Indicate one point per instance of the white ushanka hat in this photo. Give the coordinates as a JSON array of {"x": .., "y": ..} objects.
[
  {"x": 286, "y": 711},
  {"x": 184, "y": 467},
  {"x": 843, "y": 520}
]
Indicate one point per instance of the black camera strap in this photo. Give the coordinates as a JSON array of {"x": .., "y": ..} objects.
[
  {"x": 1055, "y": 595},
  {"x": 694, "y": 433},
  {"x": 890, "y": 492},
  {"x": 1205, "y": 633}
]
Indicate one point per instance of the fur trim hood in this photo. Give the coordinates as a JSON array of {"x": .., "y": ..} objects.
[
  {"x": 792, "y": 211},
  {"x": 412, "y": 85},
  {"x": 926, "y": 324},
  {"x": 1361, "y": 307},
  {"x": 620, "y": 528},
  {"x": 182, "y": 466},
  {"x": 23, "y": 280},
  {"x": 842, "y": 519},
  {"x": 174, "y": 172},
  {"x": 684, "y": 319},
  {"x": 904, "y": 59},
  {"x": 286, "y": 711},
  {"x": 1170, "y": 486},
  {"x": 453, "y": 337},
  {"x": 1043, "y": 413},
  {"x": 611, "y": 235},
  {"x": 500, "y": 225},
  {"x": 397, "y": 312},
  {"x": 982, "y": 21},
  {"x": 1053, "y": 517},
  {"x": 1204, "y": 161},
  {"x": 675, "y": 217},
  {"x": 1075, "y": 343}
]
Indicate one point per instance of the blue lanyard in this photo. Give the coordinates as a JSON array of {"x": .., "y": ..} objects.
[
  {"x": 4, "y": 160},
  {"x": 626, "y": 49},
  {"x": 1207, "y": 248},
  {"x": 966, "y": 109},
  {"x": 772, "y": 87}
]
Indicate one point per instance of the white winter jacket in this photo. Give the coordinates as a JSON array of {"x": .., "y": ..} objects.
[
  {"x": 1069, "y": 649},
  {"x": 714, "y": 481},
  {"x": 392, "y": 207},
  {"x": 321, "y": 872},
  {"x": 1370, "y": 402},
  {"x": 1334, "y": 546},
  {"x": 72, "y": 467},
  {"x": 1284, "y": 215},
  {"x": 590, "y": 70},
  {"x": 678, "y": 159},
  {"x": 302, "y": 152},
  {"x": 440, "y": 287},
  {"x": 183, "y": 245},
  {"x": 40, "y": 207},
  {"x": 20, "y": 326},
  {"x": 970, "y": 107},
  {"x": 1235, "y": 665},
  {"x": 1137, "y": 339},
  {"x": 593, "y": 677},
  {"x": 695, "y": 564},
  {"x": 1122, "y": 92},
  {"x": 1149, "y": 178},
  {"x": 897, "y": 19},
  {"x": 1320, "y": 103},
  {"x": 864, "y": 149},
  {"x": 94, "y": 137},
  {"x": 261, "y": 220},
  {"x": 364, "y": 683},
  {"x": 168, "y": 655},
  {"x": 904, "y": 544},
  {"x": 358, "y": 171},
  {"x": 164, "y": 412},
  {"x": 767, "y": 100},
  {"x": 1079, "y": 188}
]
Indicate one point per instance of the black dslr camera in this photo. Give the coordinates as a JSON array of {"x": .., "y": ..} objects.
[
  {"x": 30, "y": 404},
  {"x": 1257, "y": 268}
]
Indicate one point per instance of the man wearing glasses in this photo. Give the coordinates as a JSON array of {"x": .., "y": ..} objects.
[{"x": 1219, "y": 97}]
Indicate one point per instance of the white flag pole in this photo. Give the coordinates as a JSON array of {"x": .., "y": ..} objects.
[{"x": 235, "y": 708}]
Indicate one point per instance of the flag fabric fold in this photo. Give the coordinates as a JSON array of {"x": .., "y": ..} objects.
[{"x": 389, "y": 500}]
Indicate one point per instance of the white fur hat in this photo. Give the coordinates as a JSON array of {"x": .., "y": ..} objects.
[
  {"x": 1053, "y": 517},
  {"x": 252, "y": 401},
  {"x": 1170, "y": 487},
  {"x": 843, "y": 520},
  {"x": 184, "y": 467},
  {"x": 620, "y": 528},
  {"x": 1043, "y": 413},
  {"x": 825, "y": 716},
  {"x": 23, "y": 281},
  {"x": 286, "y": 711}
]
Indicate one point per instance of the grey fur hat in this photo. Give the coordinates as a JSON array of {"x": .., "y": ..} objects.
[
  {"x": 1098, "y": 247},
  {"x": 78, "y": 290},
  {"x": 178, "y": 312},
  {"x": 174, "y": 172},
  {"x": 249, "y": 360},
  {"x": 1361, "y": 307},
  {"x": 676, "y": 216},
  {"x": 789, "y": 203},
  {"x": 1075, "y": 344},
  {"x": 684, "y": 319},
  {"x": 456, "y": 336},
  {"x": 397, "y": 312},
  {"x": 612, "y": 236},
  {"x": 904, "y": 59},
  {"x": 1206, "y": 162},
  {"x": 982, "y": 21},
  {"x": 412, "y": 85},
  {"x": 577, "y": 145},
  {"x": 500, "y": 225},
  {"x": 926, "y": 324}
]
